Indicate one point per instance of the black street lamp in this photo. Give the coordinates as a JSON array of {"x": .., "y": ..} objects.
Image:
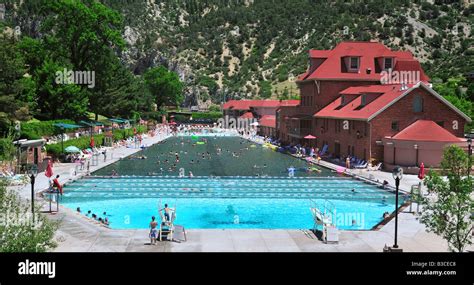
[
  {"x": 397, "y": 174},
  {"x": 32, "y": 173}
]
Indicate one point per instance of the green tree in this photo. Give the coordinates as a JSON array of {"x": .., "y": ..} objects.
[
  {"x": 57, "y": 101},
  {"x": 265, "y": 89},
  {"x": 15, "y": 86},
  {"x": 285, "y": 95},
  {"x": 452, "y": 90},
  {"x": 18, "y": 233},
  {"x": 85, "y": 35},
  {"x": 7, "y": 149},
  {"x": 165, "y": 86},
  {"x": 82, "y": 32},
  {"x": 447, "y": 210}
]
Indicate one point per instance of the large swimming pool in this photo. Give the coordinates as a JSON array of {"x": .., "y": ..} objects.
[{"x": 259, "y": 194}]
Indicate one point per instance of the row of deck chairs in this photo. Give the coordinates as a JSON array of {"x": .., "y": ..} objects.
[
  {"x": 355, "y": 162},
  {"x": 14, "y": 179},
  {"x": 358, "y": 163},
  {"x": 362, "y": 164}
]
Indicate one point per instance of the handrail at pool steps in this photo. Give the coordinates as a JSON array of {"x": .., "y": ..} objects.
[{"x": 330, "y": 233}]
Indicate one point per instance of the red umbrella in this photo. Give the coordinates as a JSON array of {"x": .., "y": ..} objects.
[
  {"x": 310, "y": 137},
  {"x": 421, "y": 173},
  {"x": 49, "y": 169},
  {"x": 92, "y": 143}
]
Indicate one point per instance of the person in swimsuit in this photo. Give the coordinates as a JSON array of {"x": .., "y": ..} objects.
[
  {"x": 153, "y": 231},
  {"x": 167, "y": 212}
]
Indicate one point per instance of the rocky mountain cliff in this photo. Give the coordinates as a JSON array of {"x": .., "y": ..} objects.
[{"x": 254, "y": 48}]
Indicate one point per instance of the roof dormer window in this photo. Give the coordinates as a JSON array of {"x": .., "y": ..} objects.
[
  {"x": 388, "y": 63},
  {"x": 363, "y": 100},
  {"x": 354, "y": 63}
]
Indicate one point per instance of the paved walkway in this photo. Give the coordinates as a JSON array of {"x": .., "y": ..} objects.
[
  {"x": 79, "y": 234},
  {"x": 66, "y": 170}
]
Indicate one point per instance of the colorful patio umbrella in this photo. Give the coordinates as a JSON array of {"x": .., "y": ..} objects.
[
  {"x": 310, "y": 137},
  {"x": 421, "y": 173},
  {"x": 72, "y": 149},
  {"x": 49, "y": 169}
]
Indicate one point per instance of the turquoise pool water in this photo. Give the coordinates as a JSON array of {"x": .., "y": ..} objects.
[{"x": 230, "y": 202}]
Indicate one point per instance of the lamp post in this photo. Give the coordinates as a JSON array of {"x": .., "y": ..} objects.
[
  {"x": 32, "y": 173},
  {"x": 469, "y": 149},
  {"x": 397, "y": 175},
  {"x": 62, "y": 140},
  {"x": 416, "y": 149}
]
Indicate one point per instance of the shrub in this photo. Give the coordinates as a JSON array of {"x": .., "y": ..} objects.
[
  {"x": 84, "y": 141},
  {"x": 208, "y": 115},
  {"x": 37, "y": 130},
  {"x": 152, "y": 116},
  {"x": 214, "y": 108}
]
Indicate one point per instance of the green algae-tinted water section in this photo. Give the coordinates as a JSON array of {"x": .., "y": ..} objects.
[{"x": 210, "y": 156}]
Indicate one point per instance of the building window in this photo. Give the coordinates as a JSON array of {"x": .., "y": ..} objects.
[
  {"x": 388, "y": 63},
  {"x": 395, "y": 126},
  {"x": 363, "y": 100},
  {"x": 354, "y": 64},
  {"x": 417, "y": 104}
]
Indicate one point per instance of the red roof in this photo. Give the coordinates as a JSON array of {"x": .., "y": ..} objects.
[
  {"x": 313, "y": 53},
  {"x": 238, "y": 104},
  {"x": 377, "y": 97},
  {"x": 247, "y": 115},
  {"x": 368, "y": 52},
  {"x": 268, "y": 121},
  {"x": 247, "y": 104},
  {"x": 289, "y": 102},
  {"x": 425, "y": 130}
]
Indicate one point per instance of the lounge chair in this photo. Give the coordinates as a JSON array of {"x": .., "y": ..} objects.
[
  {"x": 375, "y": 168},
  {"x": 14, "y": 179},
  {"x": 361, "y": 166},
  {"x": 323, "y": 150}
]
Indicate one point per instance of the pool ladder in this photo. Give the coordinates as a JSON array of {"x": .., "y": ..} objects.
[{"x": 324, "y": 215}]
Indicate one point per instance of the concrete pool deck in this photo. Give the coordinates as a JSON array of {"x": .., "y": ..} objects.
[{"x": 78, "y": 234}]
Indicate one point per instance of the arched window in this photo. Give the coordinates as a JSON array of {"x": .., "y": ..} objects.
[{"x": 418, "y": 104}]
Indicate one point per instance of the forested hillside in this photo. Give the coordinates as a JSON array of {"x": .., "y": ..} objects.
[
  {"x": 249, "y": 48},
  {"x": 240, "y": 47}
]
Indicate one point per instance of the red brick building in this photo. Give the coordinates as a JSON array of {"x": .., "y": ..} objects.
[
  {"x": 358, "y": 94},
  {"x": 263, "y": 111}
]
